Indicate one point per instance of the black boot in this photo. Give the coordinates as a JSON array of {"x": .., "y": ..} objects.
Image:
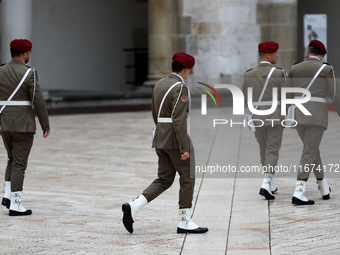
[{"x": 6, "y": 202}]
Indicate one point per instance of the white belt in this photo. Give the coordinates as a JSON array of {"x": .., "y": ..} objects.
[
  {"x": 263, "y": 103},
  {"x": 316, "y": 99},
  {"x": 10, "y": 103},
  {"x": 164, "y": 120}
]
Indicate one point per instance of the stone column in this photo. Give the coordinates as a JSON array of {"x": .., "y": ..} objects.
[
  {"x": 160, "y": 39},
  {"x": 16, "y": 23},
  {"x": 278, "y": 21}
]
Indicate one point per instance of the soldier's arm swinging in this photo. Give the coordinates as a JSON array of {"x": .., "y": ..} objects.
[{"x": 179, "y": 118}]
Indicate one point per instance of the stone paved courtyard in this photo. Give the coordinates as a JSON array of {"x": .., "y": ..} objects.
[{"x": 79, "y": 177}]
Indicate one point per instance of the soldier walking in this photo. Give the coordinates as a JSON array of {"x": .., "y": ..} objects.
[
  {"x": 19, "y": 91},
  {"x": 319, "y": 79},
  {"x": 262, "y": 79},
  {"x": 170, "y": 109}
]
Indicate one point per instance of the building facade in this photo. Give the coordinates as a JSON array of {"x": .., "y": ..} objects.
[
  {"x": 88, "y": 45},
  {"x": 222, "y": 35}
]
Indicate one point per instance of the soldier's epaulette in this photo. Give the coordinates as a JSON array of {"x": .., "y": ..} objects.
[
  {"x": 249, "y": 70},
  {"x": 327, "y": 63},
  {"x": 283, "y": 71},
  {"x": 297, "y": 63},
  {"x": 3, "y": 64}
]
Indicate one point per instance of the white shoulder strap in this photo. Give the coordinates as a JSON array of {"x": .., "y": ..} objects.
[
  {"x": 265, "y": 84},
  {"x": 284, "y": 74},
  {"x": 162, "y": 102},
  {"x": 34, "y": 85},
  {"x": 314, "y": 78},
  {"x": 334, "y": 81},
  {"x": 16, "y": 89},
  {"x": 180, "y": 92}
]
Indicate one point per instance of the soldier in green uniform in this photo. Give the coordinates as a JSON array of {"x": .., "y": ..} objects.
[
  {"x": 170, "y": 109},
  {"x": 311, "y": 127},
  {"x": 19, "y": 91},
  {"x": 262, "y": 79}
]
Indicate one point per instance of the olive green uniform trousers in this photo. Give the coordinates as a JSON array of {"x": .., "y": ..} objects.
[
  {"x": 169, "y": 162},
  {"x": 311, "y": 137},
  {"x": 270, "y": 140},
  {"x": 18, "y": 146}
]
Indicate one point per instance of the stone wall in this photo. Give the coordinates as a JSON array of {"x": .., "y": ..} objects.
[
  {"x": 278, "y": 22},
  {"x": 223, "y": 35}
]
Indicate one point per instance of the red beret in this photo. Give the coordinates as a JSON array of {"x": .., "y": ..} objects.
[
  {"x": 21, "y": 45},
  {"x": 319, "y": 45},
  {"x": 268, "y": 47},
  {"x": 184, "y": 59}
]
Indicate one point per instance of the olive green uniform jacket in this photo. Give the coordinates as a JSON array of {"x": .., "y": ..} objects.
[
  {"x": 171, "y": 135},
  {"x": 256, "y": 79},
  {"x": 21, "y": 118},
  {"x": 300, "y": 75}
]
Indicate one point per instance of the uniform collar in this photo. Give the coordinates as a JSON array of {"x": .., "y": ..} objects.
[
  {"x": 179, "y": 77},
  {"x": 265, "y": 63},
  {"x": 15, "y": 61},
  {"x": 314, "y": 58}
]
